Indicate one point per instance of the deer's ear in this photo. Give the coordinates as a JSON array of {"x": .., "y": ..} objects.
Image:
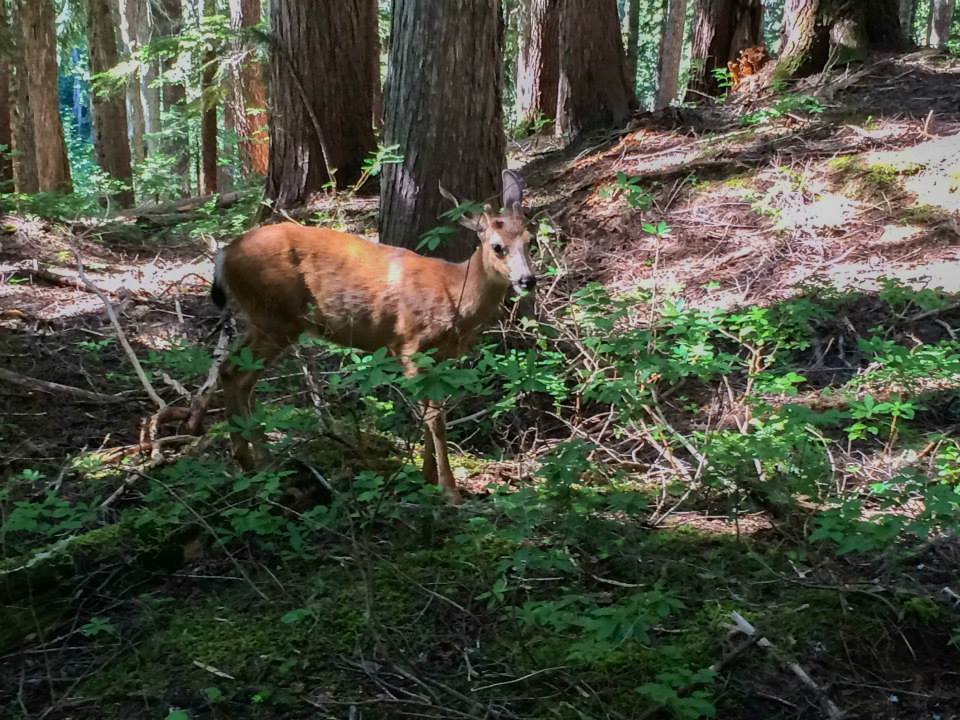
[
  {"x": 512, "y": 189},
  {"x": 471, "y": 222}
]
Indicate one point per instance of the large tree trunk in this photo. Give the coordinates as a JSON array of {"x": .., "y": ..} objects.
[
  {"x": 374, "y": 69},
  {"x": 6, "y": 140},
  {"x": 593, "y": 90},
  {"x": 538, "y": 61},
  {"x": 443, "y": 108},
  {"x": 250, "y": 95},
  {"x": 907, "y": 8},
  {"x": 40, "y": 56},
  {"x": 721, "y": 29},
  {"x": 130, "y": 14},
  {"x": 109, "y": 110},
  {"x": 209, "y": 171},
  {"x": 844, "y": 30},
  {"x": 24, "y": 146},
  {"x": 174, "y": 95},
  {"x": 941, "y": 15},
  {"x": 321, "y": 96},
  {"x": 671, "y": 49},
  {"x": 633, "y": 40}
]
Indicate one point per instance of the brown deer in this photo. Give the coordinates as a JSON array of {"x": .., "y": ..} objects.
[{"x": 289, "y": 279}]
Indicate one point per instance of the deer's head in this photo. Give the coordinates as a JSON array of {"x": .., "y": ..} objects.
[{"x": 504, "y": 239}]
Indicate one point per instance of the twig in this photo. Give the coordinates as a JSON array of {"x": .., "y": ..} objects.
[
  {"x": 201, "y": 401},
  {"x": 121, "y": 336},
  {"x": 519, "y": 679},
  {"x": 743, "y": 626}
]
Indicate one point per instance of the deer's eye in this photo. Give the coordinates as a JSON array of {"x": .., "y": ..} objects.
[
  {"x": 498, "y": 224},
  {"x": 499, "y": 250}
]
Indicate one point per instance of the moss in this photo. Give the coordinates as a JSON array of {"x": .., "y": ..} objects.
[
  {"x": 874, "y": 183},
  {"x": 922, "y": 610},
  {"x": 922, "y": 214}
]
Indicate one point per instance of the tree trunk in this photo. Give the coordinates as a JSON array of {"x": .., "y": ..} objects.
[
  {"x": 375, "y": 66},
  {"x": 443, "y": 108},
  {"x": 941, "y": 15},
  {"x": 173, "y": 94},
  {"x": 721, "y": 29},
  {"x": 129, "y": 13},
  {"x": 671, "y": 49},
  {"x": 843, "y": 30},
  {"x": 907, "y": 8},
  {"x": 6, "y": 140},
  {"x": 249, "y": 93},
  {"x": 538, "y": 61},
  {"x": 40, "y": 56},
  {"x": 593, "y": 90},
  {"x": 321, "y": 96},
  {"x": 24, "y": 146},
  {"x": 633, "y": 40},
  {"x": 109, "y": 110},
  {"x": 149, "y": 73},
  {"x": 209, "y": 180}
]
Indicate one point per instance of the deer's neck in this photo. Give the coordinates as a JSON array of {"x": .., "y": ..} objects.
[{"x": 482, "y": 293}]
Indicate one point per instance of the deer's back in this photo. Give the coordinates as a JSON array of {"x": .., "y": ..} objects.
[{"x": 289, "y": 279}]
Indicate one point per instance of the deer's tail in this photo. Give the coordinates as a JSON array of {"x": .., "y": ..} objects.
[{"x": 218, "y": 291}]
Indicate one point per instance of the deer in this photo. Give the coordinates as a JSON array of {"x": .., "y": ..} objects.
[{"x": 288, "y": 279}]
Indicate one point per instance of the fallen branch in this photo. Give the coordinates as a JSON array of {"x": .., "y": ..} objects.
[
  {"x": 47, "y": 276},
  {"x": 743, "y": 626},
  {"x": 46, "y": 386},
  {"x": 121, "y": 336},
  {"x": 201, "y": 400},
  {"x": 183, "y": 206}
]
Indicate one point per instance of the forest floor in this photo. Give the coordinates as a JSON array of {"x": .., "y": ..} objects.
[{"x": 171, "y": 587}]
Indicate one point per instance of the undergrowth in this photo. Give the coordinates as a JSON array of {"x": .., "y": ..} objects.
[{"x": 815, "y": 427}]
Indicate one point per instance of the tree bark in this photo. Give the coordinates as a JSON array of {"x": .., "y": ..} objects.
[
  {"x": 443, "y": 108},
  {"x": 209, "y": 177},
  {"x": 375, "y": 66},
  {"x": 941, "y": 15},
  {"x": 109, "y": 110},
  {"x": 24, "y": 146},
  {"x": 173, "y": 94},
  {"x": 593, "y": 89},
  {"x": 845, "y": 30},
  {"x": 538, "y": 61},
  {"x": 40, "y": 57},
  {"x": 721, "y": 29},
  {"x": 321, "y": 96},
  {"x": 671, "y": 49},
  {"x": 6, "y": 138},
  {"x": 250, "y": 94},
  {"x": 633, "y": 40},
  {"x": 129, "y": 13},
  {"x": 907, "y": 8}
]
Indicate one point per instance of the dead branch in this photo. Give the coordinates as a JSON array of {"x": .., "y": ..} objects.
[
  {"x": 121, "y": 336},
  {"x": 201, "y": 400},
  {"x": 743, "y": 626},
  {"x": 46, "y": 386},
  {"x": 47, "y": 276},
  {"x": 183, "y": 206}
]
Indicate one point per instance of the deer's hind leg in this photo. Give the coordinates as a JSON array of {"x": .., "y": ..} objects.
[{"x": 249, "y": 444}]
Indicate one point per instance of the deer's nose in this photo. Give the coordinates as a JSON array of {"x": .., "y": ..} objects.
[{"x": 528, "y": 282}]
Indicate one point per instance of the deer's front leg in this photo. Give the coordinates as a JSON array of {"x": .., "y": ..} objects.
[{"x": 438, "y": 470}]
